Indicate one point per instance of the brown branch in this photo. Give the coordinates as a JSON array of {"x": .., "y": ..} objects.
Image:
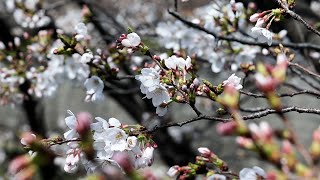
[
  {"x": 302, "y": 77},
  {"x": 242, "y": 40},
  {"x": 283, "y": 94},
  {"x": 247, "y": 117},
  {"x": 304, "y": 69},
  {"x": 296, "y": 16}
]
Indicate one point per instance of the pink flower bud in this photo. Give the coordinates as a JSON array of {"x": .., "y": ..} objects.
[
  {"x": 84, "y": 121},
  {"x": 204, "y": 151},
  {"x": 287, "y": 147},
  {"x": 265, "y": 84},
  {"x": 124, "y": 161},
  {"x": 226, "y": 128},
  {"x": 156, "y": 57},
  {"x": 260, "y": 22},
  {"x": 28, "y": 138},
  {"x": 282, "y": 59},
  {"x": 19, "y": 163},
  {"x": 244, "y": 142},
  {"x": 252, "y": 5},
  {"x": 173, "y": 171},
  {"x": 254, "y": 17},
  {"x": 316, "y": 135}
]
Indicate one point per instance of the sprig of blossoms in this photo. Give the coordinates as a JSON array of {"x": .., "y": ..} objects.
[{"x": 109, "y": 138}]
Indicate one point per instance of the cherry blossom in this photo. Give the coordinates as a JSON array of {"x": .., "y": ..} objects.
[
  {"x": 94, "y": 86},
  {"x": 173, "y": 171},
  {"x": 86, "y": 57},
  {"x": 233, "y": 81},
  {"x": 263, "y": 34},
  {"x": 159, "y": 95},
  {"x": 117, "y": 138},
  {"x": 146, "y": 159},
  {"x": 81, "y": 30},
  {"x": 72, "y": 160},
  {"x": 217, "y": 177},
  {"x": 149, "y": 79},
  {"x": 71, "y": 122},
  {"x": 132, "y": 40},
  {"x": 175, "y": 62},
  {"x": 253, "y": 173}
]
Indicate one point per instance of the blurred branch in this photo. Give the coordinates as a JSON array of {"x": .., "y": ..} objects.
[{"x": 304, "y": 69}]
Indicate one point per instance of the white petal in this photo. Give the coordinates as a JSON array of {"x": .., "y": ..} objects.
[
  {"x": 114, "y": 122},
  {"x": 71, "y": 122}
]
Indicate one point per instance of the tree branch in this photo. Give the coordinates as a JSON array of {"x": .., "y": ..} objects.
[{"x": 242, "y": 40}]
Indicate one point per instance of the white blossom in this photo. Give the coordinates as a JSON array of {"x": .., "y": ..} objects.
[
  {"x": 159, "y": 95},
  {"x": 132, "y": 40},
  {"x": 86, "y": 57},
  {"x": 263, "y": 34},
  {"x": 72, "y": 160},
  {"x": 173, "y": 171},
  {"x": 234, "y": 81},
  {"x": 117, "y": 138},
  {"x": 252, "y": 173},
  {"x": 81, "y": 30},
  {"x": 175, "y": 62},
  {"x": 217, "y": 177},
  {"x": 149, "y": 78},
  {"x": 146, "y": 159},
  {"x": 71, "y": 122},
  {"x": 131, "y": 142},
  {"x": 94, "y": 86}
]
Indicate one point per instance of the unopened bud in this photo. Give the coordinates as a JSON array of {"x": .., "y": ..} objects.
[
  {"x": 27, "y": 138},
  {"x": 84, "y": 122},
  {"x": 173, "y": 171},
  {"x": 204, "y": 151},
  {"x": 124, "y": 161}
]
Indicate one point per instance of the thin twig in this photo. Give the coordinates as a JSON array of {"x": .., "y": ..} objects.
[
  {"x": 302, "y": 77},
  {"x": 242, "y": 40},
  {"x": 296, "y": 16},
  {"x": 281, "y": 95},
  {"x": 304, "y": 69},
  {"x": 247, "y": 117}
]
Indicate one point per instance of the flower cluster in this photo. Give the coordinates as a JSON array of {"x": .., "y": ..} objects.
[
  {"x": 27, "y": 13},
  {"x": 151, "y": 86},
  {"x": 109, "y": 138}
]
